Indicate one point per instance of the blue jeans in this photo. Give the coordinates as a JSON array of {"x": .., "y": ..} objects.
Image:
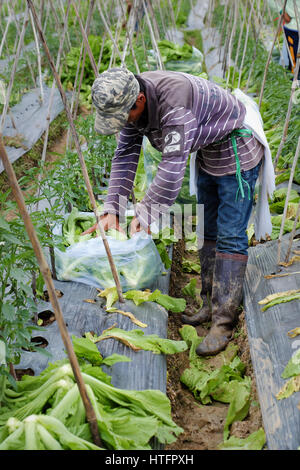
[{"x": 225, "y": 217}]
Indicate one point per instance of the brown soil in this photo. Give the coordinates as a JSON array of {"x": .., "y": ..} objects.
[{"x": 203, "y": 424}]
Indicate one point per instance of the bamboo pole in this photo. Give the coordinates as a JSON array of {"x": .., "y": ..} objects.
[
  {"x": 240, "y": 39},
  {"x": 230, "y": 45},
  {"x": 14, "y": 69},
  {"x": 166, "y": 34},
  {"x": 64, "y": 16},
  {"x": 42, "y": 11},
  {"x": 129, "y": 39},
  {"x": 223, "y": 28},
  {"x": 38, "y": 57},
  {"x": 287, "y": 200},
  {"x": 11, "y": 12},
  {"x": 80, "y": 155},
  {"x": 130, "y": 26},
  {"x": 118, "y": 31},
  {"x": 287, "y": 256},
  {"x": 173, "y": 21},
  {"x": 4, "y": 35},
  {"x": 46, "y": 17},
  {"x": 153, "y": 18},
  {"x": 104, "y": 38},
  {"x": 254, "y": 53},
  {"x": 156, "y": 48},
  {"x": 45, "y": 143},
  {"x": 44, "y": 268},
  {"x": 109, "y": 32},
  {"x": 87, "y": 29},
  {"x": 270, "y": 55},
  {"x": 228, "y": 27},
  {"x": 293, "y": 90},
  {"x": 86, "y": 41},
  {"x": 245, "y": 43}
]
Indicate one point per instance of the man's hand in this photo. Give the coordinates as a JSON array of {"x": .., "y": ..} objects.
[
  {"x": 108, "y": 221},
  {"x": 135, "y": 227}
]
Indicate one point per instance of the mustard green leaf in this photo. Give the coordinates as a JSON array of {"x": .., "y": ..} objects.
[
  {"x": 86, "y": 349},
  {"x": 137, "y": 340},
  {"x": 293, "y": 366},
  {"x": 254, "y": 441},
  {"x": 290, "y": 387}
]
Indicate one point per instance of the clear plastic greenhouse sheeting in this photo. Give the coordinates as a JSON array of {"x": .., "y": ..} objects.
[
  {"x": 194, "y": 65},
  {"x": 30, "y": 119},
  {"x": 137, "y": 261}
]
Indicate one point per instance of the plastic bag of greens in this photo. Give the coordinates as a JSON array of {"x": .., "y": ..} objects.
[
  {"x": 137, "y": 260},
  {"x": 191, "y": 62},
  {"x": 192, "y": 65}
]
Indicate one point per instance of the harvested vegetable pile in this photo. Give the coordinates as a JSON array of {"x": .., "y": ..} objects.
[
  {"x": 46, "y": 412},
  {"x": 137, "y": 259}
]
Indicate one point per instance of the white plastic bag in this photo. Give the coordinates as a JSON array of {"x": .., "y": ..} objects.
[
  {"x": 266, "y": 180},
  {"x": 137, "y": 261}
]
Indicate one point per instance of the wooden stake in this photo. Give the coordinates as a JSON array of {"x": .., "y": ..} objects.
[
  {"x": 290, "y": 107},
  {"x": 153, "y": 40},
  {"x": 245, "y": 43},
  {"x": 270, "y": 55},
  {"x": 287, "y": 199},
  {"x": 14, "y": 69},
  {"x": 80, "y": 155},
  {"x": 51, "y": 98},
  {"x": 38, "y": 57},
  {"x": 86, "y": 41},
  {"x": 90, "y": 413},
  {"x": 232, "y": 36},
  {"x": 109, "y": 32},
  {"x": 87, "y": 29},
  {"x": 287, "y": 256}
]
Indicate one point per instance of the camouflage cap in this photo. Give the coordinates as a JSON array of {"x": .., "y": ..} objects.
[{"x": 114, "y": 93}]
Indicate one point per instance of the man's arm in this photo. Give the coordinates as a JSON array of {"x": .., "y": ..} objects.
[
  {"x": 123, "y": 171},
  {"x": 177, "y": 143}
]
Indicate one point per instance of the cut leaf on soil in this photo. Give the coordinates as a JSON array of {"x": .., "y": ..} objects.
[
  {"x": 290, "y": 387},
  {"x": 129, "y": 315},
  {"x": 293, "y": 333},
  {"x": 278, "y": 298},
  {"x": 255, "y": 441},
  {"x": 137, "y": 340}
]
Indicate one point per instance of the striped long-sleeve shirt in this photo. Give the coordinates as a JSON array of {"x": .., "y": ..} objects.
[{"x": 185, "y": 114}]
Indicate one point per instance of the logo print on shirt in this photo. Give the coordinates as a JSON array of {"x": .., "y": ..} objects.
[{"x": 172, "y": 142}]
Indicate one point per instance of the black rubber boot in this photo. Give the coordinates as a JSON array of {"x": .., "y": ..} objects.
[
  {"x": 227, "y": 296},
  {"x": 207, "y": 256}
]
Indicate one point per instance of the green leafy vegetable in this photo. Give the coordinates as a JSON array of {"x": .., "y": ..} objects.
[
  {"x": 189, "y": 266},
  {"x": 225, "y": 383},
  {"x": 191, "y": 242},
  {"x": 41, "y": 432},
  {"x": 47, "y": 411},
  {"x": 86, "y": 349},
  {"x": 138, "y": 297},
  {"x": 290, "y": 387},
  {"x": 191, "y": 290},
  {"x": 137, "y": 340},
  {"x": 292, "y": 368},
  {"x": 76, "y": 223},
  {"x": 279, "y": 298},
  {"x": 111, "y": 295},
  {"x": 254, "y": 441}
]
